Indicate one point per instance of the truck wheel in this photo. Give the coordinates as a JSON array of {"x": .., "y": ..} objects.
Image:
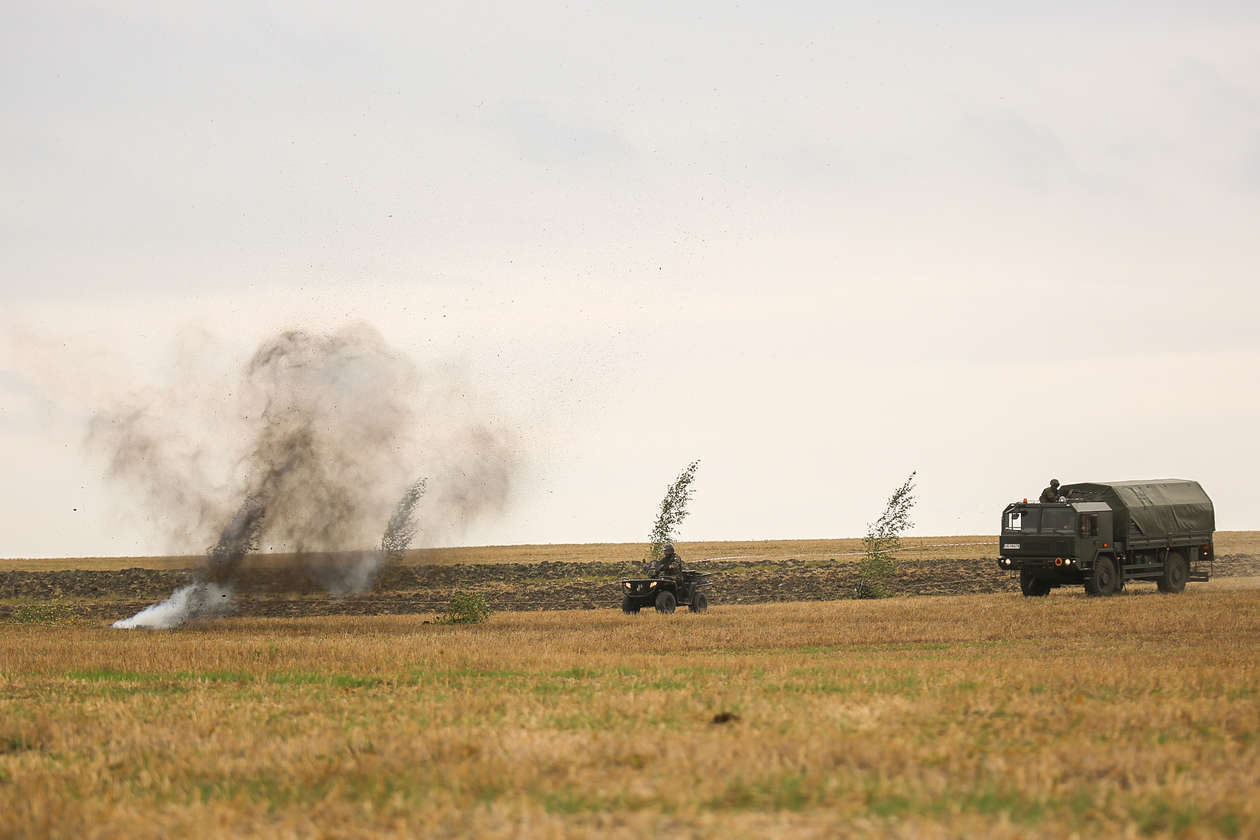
[
  {"x": 699, "y": 603},
  {"x": 665, "y": 602},
  {"x": 1031, "y": 586},
  {"x": 1102, "y": 580},
  {"x": 629, "y": 607},
  {"x": 1173, "y": 580}
]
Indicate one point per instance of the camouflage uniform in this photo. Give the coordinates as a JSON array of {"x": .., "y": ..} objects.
[
  {"x": 1051, "y": 493},
  {"x": 671, "y": 564}
]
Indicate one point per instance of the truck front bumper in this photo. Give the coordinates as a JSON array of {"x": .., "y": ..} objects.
[{"x": 1039, "y": 564}]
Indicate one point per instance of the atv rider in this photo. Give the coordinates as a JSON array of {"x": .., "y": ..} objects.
[
  {"x": 671, "y": 566},
  {"x": 671, "y": 563}
]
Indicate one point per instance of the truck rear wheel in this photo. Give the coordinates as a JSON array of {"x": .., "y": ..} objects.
[
  {"x": 699, "y": 602},
  {"x": 1173, "y": 580},
  {"x": 1102, "y": 580},
  {"x": 666, "y": 602},
  {"x": 1031, "y": 586}
]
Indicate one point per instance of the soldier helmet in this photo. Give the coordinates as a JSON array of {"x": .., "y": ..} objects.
[
  {"x": 1054, "y": 482},
  {"x": 668, "y": 549}
]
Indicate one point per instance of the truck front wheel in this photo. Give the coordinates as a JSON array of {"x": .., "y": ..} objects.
[
  {"x": 1031, "y": 586},
  {"x": 1173, "y": 580},
  {"x": 666, "y": 602},
  {"x": 1102, "y": 580}
]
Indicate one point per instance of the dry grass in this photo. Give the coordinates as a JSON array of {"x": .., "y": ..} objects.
[
  {"x": 960, "y": 716},
  {"x": 1227, "y": 542}
]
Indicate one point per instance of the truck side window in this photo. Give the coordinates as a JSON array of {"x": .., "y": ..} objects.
[
  {"x": 1013, "y": 521},
  {"x": 1089, "y": 524}
]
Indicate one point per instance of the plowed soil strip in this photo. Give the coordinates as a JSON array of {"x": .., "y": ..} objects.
[{"x": 511, "y": 586}]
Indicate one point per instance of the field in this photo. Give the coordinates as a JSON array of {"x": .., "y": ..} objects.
[
  {"x": 537, "y": 577},
  {"x": 952, "y": 716}
]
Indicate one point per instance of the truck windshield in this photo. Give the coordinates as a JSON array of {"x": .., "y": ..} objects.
[
  {"x": 1050, "y": 520},
  {"x": 1026, "y": 521},
  {"x": 1058, "y": 520}
]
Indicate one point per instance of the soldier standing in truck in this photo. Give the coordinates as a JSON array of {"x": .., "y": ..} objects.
[{"x": 1051, "y": 493}]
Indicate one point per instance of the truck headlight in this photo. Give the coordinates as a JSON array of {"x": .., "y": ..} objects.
[
  {"x": 652, "y": 585},
  {"x": 626, "y": 584}
]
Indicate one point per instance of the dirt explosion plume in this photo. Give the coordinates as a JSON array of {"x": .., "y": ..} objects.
[{"x": 330, "y": 431}]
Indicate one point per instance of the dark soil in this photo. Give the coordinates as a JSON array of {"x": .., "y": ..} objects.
[{"x": 295, "y": 591}]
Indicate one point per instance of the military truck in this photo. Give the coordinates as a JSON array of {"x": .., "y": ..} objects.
[{"x": 1102, "y": 534}]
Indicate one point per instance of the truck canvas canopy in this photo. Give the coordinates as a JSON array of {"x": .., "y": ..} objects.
[{"x": 1155, "y": 508}]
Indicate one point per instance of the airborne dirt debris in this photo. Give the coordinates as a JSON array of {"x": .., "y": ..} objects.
[{"x": 333, "y": 429}]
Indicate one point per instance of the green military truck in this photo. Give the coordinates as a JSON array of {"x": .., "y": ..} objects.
[{"x": 1102, "y": 534}]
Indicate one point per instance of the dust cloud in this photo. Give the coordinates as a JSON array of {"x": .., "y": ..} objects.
[{"x": 324, "y": 435}]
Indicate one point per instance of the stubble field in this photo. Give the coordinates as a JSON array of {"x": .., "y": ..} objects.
[{"x": 956, "y": 716}]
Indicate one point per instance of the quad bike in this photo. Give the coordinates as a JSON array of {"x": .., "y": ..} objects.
[{"x": 665, "y": 593}]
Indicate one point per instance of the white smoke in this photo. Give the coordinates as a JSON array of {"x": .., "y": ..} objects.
[{"x": 196, "y": 600}]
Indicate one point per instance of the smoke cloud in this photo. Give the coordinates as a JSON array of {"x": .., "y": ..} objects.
[{"x": 325, "y": 434}]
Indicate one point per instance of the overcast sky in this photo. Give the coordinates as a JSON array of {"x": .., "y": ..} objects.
[{"x": 815, "y": 245}]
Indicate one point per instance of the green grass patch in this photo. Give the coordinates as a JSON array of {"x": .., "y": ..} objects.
[
  {"x": 777, "y": 793},
  {"x": 992, "y": 802},
  {"x": 1158, "y": 816},
  {"x": 576, "y": 673},
  {"x": 333, "y": 680},
  {"x": 215, "y": 676},
  {"x": 111, "y": 675}
]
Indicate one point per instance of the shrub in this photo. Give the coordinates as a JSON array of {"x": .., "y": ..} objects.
[
  {"x": 40, "y": 612},
  {"x": 466, "y": 608}
]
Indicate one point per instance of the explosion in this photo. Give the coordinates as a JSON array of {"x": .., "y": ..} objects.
[{"x": 332, "y": 425}]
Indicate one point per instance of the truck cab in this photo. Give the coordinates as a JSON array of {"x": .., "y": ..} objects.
[{"x": 1055, "y": 543}]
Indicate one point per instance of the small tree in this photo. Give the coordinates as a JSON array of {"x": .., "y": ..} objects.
[
  {"x": 882, "y": 541},
  {"x": 673, "y": 510}
]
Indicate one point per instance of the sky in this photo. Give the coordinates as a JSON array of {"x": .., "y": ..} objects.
[{"x": 815, "y": 245}]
